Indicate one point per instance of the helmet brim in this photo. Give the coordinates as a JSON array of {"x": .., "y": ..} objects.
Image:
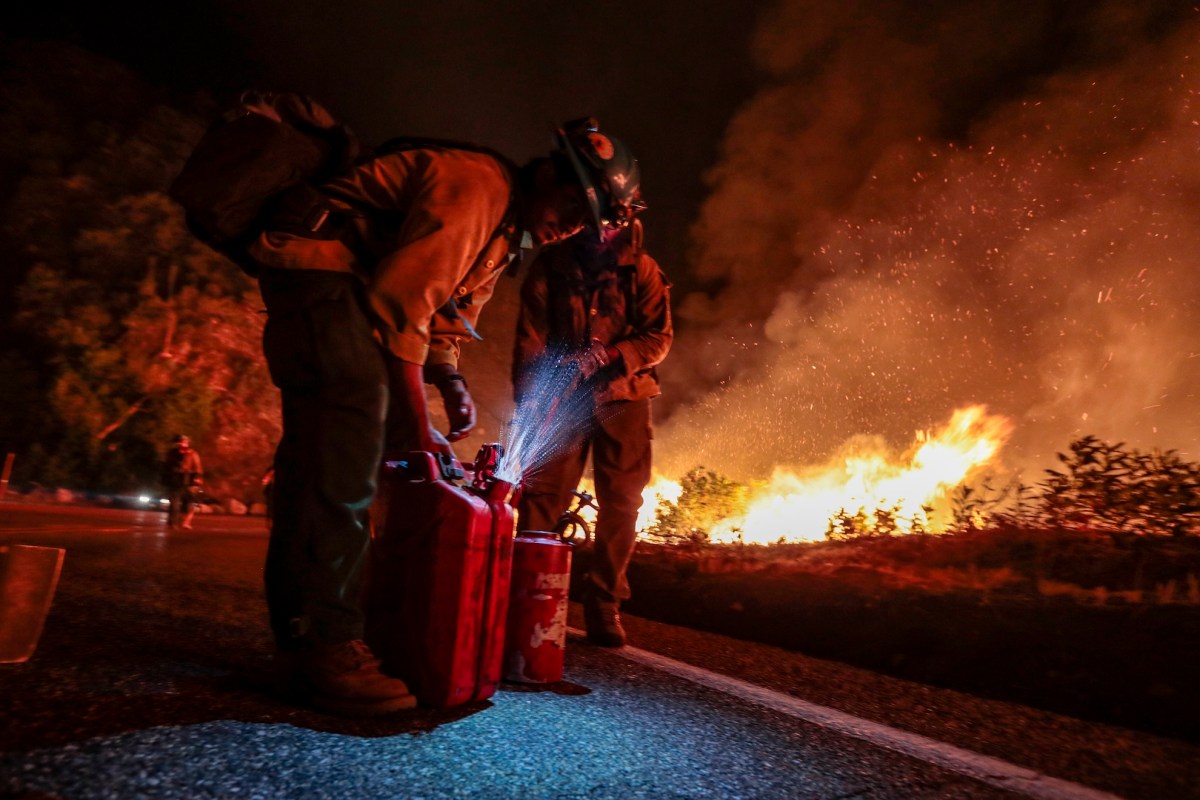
[{"x": 584, "y": 175}]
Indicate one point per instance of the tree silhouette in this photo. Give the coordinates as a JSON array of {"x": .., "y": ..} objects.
[{"x": 125, "y": 330}]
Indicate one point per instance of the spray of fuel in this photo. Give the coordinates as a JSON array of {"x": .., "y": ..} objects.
[{"x": 551, "y": 416}]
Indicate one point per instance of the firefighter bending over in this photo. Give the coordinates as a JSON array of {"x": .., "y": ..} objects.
[
  {"x": 601, "y": 297},
  {"x": 406, "y": 250}
]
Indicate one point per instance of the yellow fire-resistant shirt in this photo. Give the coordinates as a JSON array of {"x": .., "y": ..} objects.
[
  {"x": 429, "y": 223},
  {"x": 626, "y": 305}
]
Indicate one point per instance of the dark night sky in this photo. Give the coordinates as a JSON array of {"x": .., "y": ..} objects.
[
  {"x": 897, "y": 207},
  {"x": 664, "y": 76}
]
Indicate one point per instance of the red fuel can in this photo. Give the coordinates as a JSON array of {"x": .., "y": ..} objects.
[
  {"x": 438, "y": 581},
  {"x": 537, "y": 612}
]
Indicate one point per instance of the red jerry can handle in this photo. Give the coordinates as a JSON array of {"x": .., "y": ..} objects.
[
  {"x": 423, "y": 465},
  {"x": 554, "y": 536}
]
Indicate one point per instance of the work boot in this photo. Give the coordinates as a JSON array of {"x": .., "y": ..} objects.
[
  {"x": 345, "y": 679},
  {"x": 603, "y": 622}
]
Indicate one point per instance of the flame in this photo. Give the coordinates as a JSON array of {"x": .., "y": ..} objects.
[
  {"x": 660, "y": 489},
  {"x": 797, "y": 506}
]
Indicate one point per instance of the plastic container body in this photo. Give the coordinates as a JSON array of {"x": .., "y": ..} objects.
[
  {"x": 537, "y": 615},
  {"x": 438, "y": 582},
  {"x": 28, "y": 578}
]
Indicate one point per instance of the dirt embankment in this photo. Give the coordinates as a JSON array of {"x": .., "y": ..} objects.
[{"x": 1079, "y": 624}]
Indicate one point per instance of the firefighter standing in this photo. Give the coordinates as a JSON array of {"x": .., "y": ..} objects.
[
  {"x": 182, "y": 473},
  {"x": 380, "y": 293},
  {"x": 603, "y": 299}
]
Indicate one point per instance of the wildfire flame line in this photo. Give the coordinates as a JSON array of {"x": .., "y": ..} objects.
[{"x": 797, "y": 504}]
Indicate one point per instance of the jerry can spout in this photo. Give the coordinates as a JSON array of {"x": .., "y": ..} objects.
[{"x": 498, "y": 491}]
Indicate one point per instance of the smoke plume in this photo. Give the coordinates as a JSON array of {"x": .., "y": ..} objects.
[{"x": 929, "y": 209}]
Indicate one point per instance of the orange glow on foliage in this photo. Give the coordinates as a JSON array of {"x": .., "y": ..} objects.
[{"x": 797, "y": 504}]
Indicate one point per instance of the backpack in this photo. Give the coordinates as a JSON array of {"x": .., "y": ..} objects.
[
  {"x": 260, "y": 165},
  {"x": 266, "y": 147}
]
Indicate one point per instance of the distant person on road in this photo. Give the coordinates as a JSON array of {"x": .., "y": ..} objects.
[
  {"x": 182, "y": 477},
  {"x": 365, "y": 306},
  {"x": 603, "y": 299}
]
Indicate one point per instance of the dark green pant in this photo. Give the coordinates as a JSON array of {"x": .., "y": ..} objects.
[
  {"x": 331, "y": 373},
  {"x": 619, "y": 444},
  {"x": 179, "y": 504}
]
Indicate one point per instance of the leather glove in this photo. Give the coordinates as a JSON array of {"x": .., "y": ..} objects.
[
  {"x": 595, "y": 358},
  {"x": 460, "y": 406}
]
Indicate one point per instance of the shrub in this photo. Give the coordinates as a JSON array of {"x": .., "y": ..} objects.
[
  {"x": 1108, "y": 488},
  {"x": 1137, "y": 499},
  {"x": 706, "y": 498},
  {"x": 881, "y": 522}
]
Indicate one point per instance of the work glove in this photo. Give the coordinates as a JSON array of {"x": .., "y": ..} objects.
[
  {"x": 594, "y": 358},
  {"x": 460, "y": 406}
]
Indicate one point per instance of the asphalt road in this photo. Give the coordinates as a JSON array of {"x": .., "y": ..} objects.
[{"x": 152, "y": 680}]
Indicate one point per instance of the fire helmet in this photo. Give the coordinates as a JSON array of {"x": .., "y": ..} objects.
[
  {"x": 180, "y": 439},
  {"x": 607, "y": 170}
]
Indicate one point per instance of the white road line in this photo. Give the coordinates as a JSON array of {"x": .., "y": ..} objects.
[{"x": 982, "y": 768}]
